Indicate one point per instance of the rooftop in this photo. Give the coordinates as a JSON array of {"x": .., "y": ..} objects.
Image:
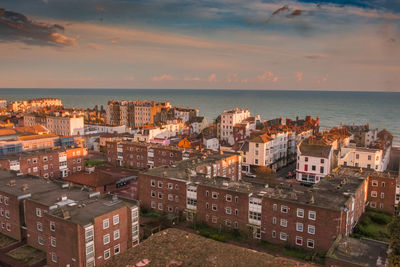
[
  {"x": 363, "y": 252},
  {"x": 181, "y": 168},
  {"x": 186, "y": 249}
]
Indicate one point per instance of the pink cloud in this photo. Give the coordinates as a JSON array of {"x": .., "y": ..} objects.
[
  {"x": 299, "y": 76},
  {"x": 61, "y": 39},
  {"x": 212, "y": 78},
  {"x": 192, "y": 79},
  {"x": 164, "y": 77}
]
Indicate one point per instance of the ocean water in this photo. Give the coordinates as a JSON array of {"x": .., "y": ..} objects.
[{"x": 379, "y": 109}]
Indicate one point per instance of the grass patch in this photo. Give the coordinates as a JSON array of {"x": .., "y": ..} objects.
[
  {"x": 27, "y": 255},
  {"x": 268, "y": 246},
  {"x": 95, "y": 163},
  {"x": 373, "y": 225},
  {"x": 218, "y": 234},
  {"x": 303, "y": 254},
  {"x": 6, "y": 241}
]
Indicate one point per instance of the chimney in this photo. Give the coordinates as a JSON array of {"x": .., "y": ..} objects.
[
  {"x": 66, "y": 215},
  {"x": 25, "y": 187}
]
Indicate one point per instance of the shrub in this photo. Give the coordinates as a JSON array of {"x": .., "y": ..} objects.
[{"x": 380, "y": 218}]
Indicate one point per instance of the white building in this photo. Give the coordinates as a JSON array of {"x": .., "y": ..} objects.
[
  {"x": 228, "y": 120},
  {"x": 97, "y": 129},
  {"x": 363, "y": 157},
  {"x": 211, "y": 143},
  {"x": 314, "y": 160},
  {"x": 197, "y": 125},
  {"x": 64, "y": 126},
  {"x": 3, "y": 103}
]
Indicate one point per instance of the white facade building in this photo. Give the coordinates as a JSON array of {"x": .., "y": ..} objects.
[
  {"x": 64, "y": 126},
  {"x": 230, "y": 119},
  {"x": 211, "y": 143},
  {"x": 314, "y": 161},
  {"x": 370, "y": 158}
]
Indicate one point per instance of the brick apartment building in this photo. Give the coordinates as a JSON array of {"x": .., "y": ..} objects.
[
  {"x": 46, "y": 163},
  {"x": 73, "y": 226},
  {"x": 140, "y": 155},
  {"x": 304, "y": 217},
  {"x": 383, "y": 192}
]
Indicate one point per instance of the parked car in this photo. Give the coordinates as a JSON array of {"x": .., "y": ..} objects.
[
  {"x": 290, "y": 175},
  {"x": 251, "y": 175}
]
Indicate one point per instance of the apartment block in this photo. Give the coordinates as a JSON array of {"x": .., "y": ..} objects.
[
  {"x": 141, "y": 155},
  {"x": 133, "y": 113},
  {"x": 49, "y": 215},
  {"x": 46, "y": 163},
  {"x": 304, "y": 217},
  {"x": 60, "y": 125},
  {"x": 32, "y": 105},
  {"x": 383, "y": 191}
]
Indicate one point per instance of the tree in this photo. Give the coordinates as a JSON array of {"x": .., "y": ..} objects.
[{"x": 394, "y": 232}]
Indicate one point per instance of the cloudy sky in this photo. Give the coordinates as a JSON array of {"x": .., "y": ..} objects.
[{"x": 221, "y": 44}]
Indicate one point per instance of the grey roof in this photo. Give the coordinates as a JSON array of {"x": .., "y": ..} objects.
[{"x": 314, "y": 150}]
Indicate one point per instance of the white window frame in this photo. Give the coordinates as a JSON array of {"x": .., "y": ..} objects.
[
  {"x": 106, "y": 239},
  {"x": 106, "y": 223},
  {"x": 116, "y": 234},
  {"x": 311, "y": 227},
  {"x": 107, "y": 251},
  {"x": 116, "y": 219},
  {"x": 300, "y": 213},
  {"x": 310, "y": 217}
]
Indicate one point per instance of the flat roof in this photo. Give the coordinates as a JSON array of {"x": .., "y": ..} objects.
[
  {"x": 362, "y": 252},
  {"x": 181, "y": 167},
  {"x": 186, "y": 249}
]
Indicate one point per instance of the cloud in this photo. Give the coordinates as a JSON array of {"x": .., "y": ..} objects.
[
  {"x": 299, "y": 76},
  {"x": 192, "y": 79},
  {"x": 266, "y": 76},
  {"x": 212, "y": 78},
  {"x": 164, "y": 77},
  {"x": 15, "y": 27},
  {"x": 95, "y": 46}
]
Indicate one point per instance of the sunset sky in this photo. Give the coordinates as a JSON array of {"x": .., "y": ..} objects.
[{"x": 221, "y": 44}]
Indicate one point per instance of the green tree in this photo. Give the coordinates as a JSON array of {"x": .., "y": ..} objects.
[{"x": 394, "y": 232}]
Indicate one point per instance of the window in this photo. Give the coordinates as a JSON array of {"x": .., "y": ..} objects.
[
  {"x": 206, "y": 193},
  {"x": 107, "y": 254},
  {"x": 305, "y": 167},
  {"x": 283, "y": 223},
  {"x": 53, "y": 241},
  {"x": 214, "y": 195},
  {"x": 89, "y": 234},
  {"x": 40, "y": 240},
  {"x": 116, "y": 249},
  {"x": 160, "y": 206},
  {"x": 116, "y": 234},
  {"x": 357, "y": 156},
  {"x": 236, "y": 199},
  {"x": 310, "y": 243},
  {"x": 372, "y": 204},
  {"x": 321, "y": 169},
  {"x": 39, "y": 226},
  {"x": 53, "y": 257},
  {"x": 214, "y": 207},
  {"x": 255, "y": 215},
  {"x": 274, "y": 220},
  {"x": 313, "y": 167},
  {"x": 273, "y": 234},
  {"x": 89, "y": 251},
  {"x": 274, "y": 207},
  {"x": 170, "y": 186},
  {"x": 159, "y": 195},
  {"x": 228, "y": 210},
  {"x": 299, "y": 227},
  {"x": 228, "y": 198},
  {"x": 115, "y": 219},
  {"x": 311, "y": 229},
  {"x": 7, "y": 214},
  {"x": 236, "y": 225},
  {"x": 300, "y": 213},
  {"x": 153, "y": 183},
  {"x": 170, "y": 197},
  {"x": 299, "y": 240},
  {"x": 306, "y": 159},
  {"x": 322, "y": 161},
  {"x": 283, "y": 236},
  {"x": 374, "y": 183},
  {"x": 374, "y": 194},
  {"x": 382, "y": 195},
  {"x": 106, "y": 223},
  {"x": 369, "y": 157},
  {"x": 153, "y": 193},
  {"x": 236, "y": 212},
  {"x": 106, "y": 239},
  {"x": 160, "y": 184},
  {"x": 284, "y": 209},
  {"x": 38, "y": 212},
  {"x": 312, "y": 215},
  {"x": 52, "y": 226},
  {"x": 383, "y": 184}
]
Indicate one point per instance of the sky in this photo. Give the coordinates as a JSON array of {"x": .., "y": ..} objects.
[{"x": 194, "y": 44}]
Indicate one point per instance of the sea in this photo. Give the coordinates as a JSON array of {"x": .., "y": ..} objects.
[{"x": 379, "y": 109}]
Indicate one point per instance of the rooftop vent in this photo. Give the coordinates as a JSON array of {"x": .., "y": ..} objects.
[
  {"x": 95, "y": 194},
  {"x": 64, "y": 185},
  {"x": 25, "y": 187},
  {"x": 12, "y": 183},
  {"x": 63, "y": 198},
  {"x": 66, "y": 215}
]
